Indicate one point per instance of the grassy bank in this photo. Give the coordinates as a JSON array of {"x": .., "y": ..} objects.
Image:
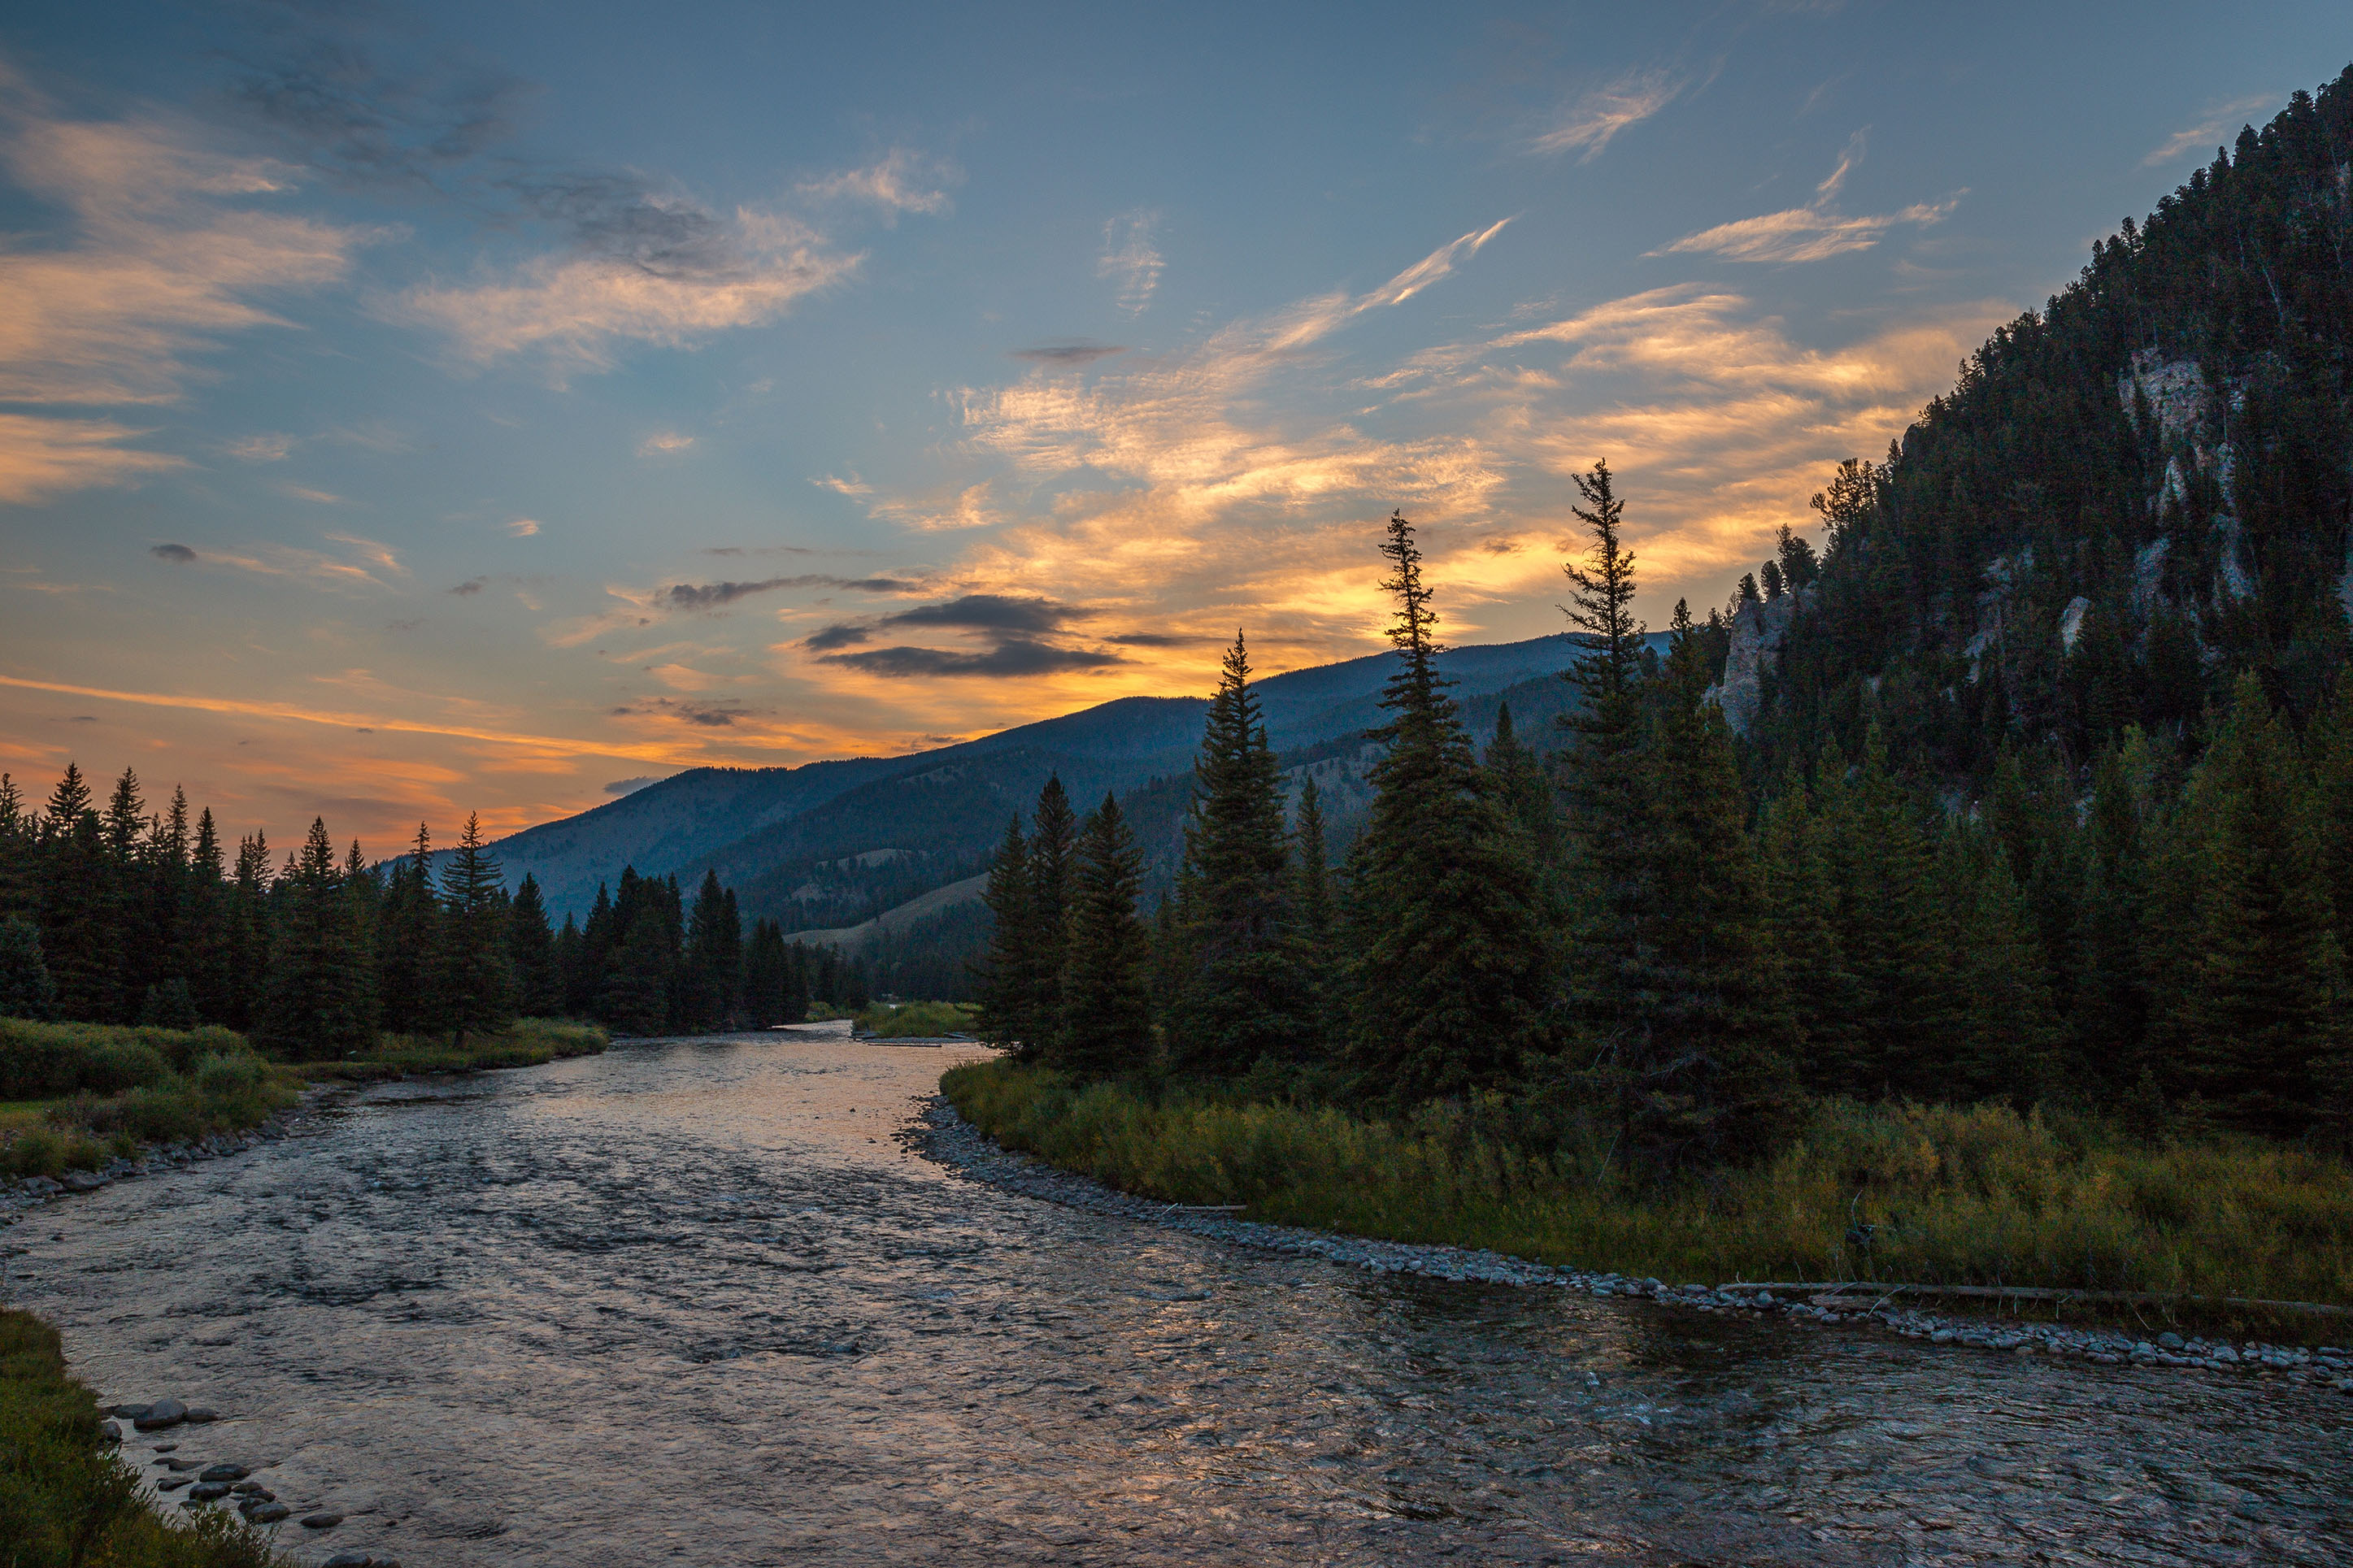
[
  {"x": 917, "y": 1020},
  {"x": 73, "y": 1096},
  {"x": 527, "y": 1043},
  {"x": 67, "y": 1500},
  {"x": 1952, "y": 1197}
]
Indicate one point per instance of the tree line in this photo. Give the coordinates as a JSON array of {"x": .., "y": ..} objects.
[
  {"x": 113, "y": 914},
  {"x": 1625, "y": 926}
]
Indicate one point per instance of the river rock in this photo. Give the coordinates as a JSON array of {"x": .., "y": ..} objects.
[
  {"x": 82, "y": 1181},
  {"x": 348, "y": 1559},
  {"x": 208, "y": 1491},
  {"x": 224, "y": 1473},
  {"x": 111, "y": 1431},
  {"x": 321, "y": 1521},
  {"x": 161, "y": 1414},
  {"x": 172, "y": 1483},
  {"x": 198, "y": 1415},
  {"x": 175, "y": 1465},
  {"x": 126, "y": 1412},
  {"x": 265, "y": 1512},
  {"x": 2170, "y": 1341}
]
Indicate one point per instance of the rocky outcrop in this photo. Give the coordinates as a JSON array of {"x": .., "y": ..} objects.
[{"x": 1758, "y": 629}]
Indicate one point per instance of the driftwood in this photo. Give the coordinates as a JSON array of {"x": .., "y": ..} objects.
[{"x": 2034, "y": 1293}]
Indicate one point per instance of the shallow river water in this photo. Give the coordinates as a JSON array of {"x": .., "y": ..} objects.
[{"x": 693, "y": 1302}]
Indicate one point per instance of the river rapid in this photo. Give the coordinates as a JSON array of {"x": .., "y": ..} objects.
[{"x": 696, "y": 1302}]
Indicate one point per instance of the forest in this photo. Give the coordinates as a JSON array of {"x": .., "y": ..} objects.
[{"x": 118, "y": 915}]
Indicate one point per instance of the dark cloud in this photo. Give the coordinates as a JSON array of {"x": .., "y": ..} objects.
[
  {"x": 631, "y": 786},
  {"x": 83, "y": 719},
  {"x": 707, "y": 715},
  {"x": 1011, "y": 657},
  {"x": 368, "y": 119},
  {"x": 470, "y": 587},
  {"x": 712, "y": 596},
  {"x": 990, "y": 612},
  {"x": 763, "y": 550},
  {"x": 826, "y": 638},
  {"x": 1158, "y": 639},
  {"x": 178, "y": 552},
  {"x": 1072, "y": 352}
]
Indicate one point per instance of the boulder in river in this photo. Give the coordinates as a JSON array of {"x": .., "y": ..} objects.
[
  {"x": 111, "y": 1431},
  {"x": 208, "y": 1491},
  {"x": 126, "y": 1412},
  {"x": 81, "y": 1181},
  {"x": 224, "y": 1473},
  {"x": 349, "y": 1560},
  {"x": 265, "y": 1512},
  {"x": 200, "y": 1414},
  {"x": 321, "y": 1521},
  {"x": 161, "y": 1414}
]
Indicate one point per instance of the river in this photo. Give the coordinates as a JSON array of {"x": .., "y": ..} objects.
[{"x": 693, "y": 1302}]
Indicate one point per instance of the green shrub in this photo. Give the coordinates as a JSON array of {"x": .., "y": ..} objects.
[
  {"x": 917, "y": 1020},
  {"x": 529, "y": 1042},
  {"x": 67, "y": 1498}
]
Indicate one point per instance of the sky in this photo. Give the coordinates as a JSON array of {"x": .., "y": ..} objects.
[{"x": 410, "y": 410}]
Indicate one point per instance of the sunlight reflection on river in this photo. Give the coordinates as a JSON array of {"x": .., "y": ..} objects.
[{"x": 693, "y": 1302}]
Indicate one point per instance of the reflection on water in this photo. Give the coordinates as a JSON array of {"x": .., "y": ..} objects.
[{"x": 691, "y": 1302}]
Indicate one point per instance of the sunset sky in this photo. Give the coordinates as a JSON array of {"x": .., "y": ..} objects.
[{"x": 412, "y": 409}]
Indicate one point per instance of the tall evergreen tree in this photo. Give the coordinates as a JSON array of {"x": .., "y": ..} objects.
[
  {"x": 321, "y": 999},
  {"x": 714, "y": 958},
  {"x": 408, "y": 955},
  {"x": 475, "y": 980},
  {"x": 16, "y": 841},
  {"x": 1244, "y": 992},
  {"x": 2112, "y": 992},
  {"x": 1891, "y": 935},
  {"x": 1318, "y": 911},
  {"x": 1450, "y": 976},
  {"x": 531, "y": 953},
  {"x": 1529, "y": 799},
  {"x": 1800, "y": 906},
  {"x": 25, "y": 989},
  {"x": 2266, "y": 1003},
  {"x": 1602, "y": 772},
  {"x": 203, "y": 939},
  {"x": 1106, "y": 1001},
  {"x": 1703, "y": 1064},
  {"x": 80, "y": 932},
  {"x": 1008, "y": 979},
  {"x": 1053, "y": 848},
  {"x": 249, "y": 930}
]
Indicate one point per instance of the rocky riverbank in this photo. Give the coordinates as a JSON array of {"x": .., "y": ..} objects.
[
  {"x": 27, "y": 1194},
  {"x": 944, "y": 1136}
]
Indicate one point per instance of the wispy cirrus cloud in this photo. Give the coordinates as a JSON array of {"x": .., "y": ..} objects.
[
  {"x": 1131, "y": 260},
  {"x": 903, "y": 181},
  {"x": 364, "y": 564},
  {"x": 1813, "y": 232},
  {"x": 1589, "y": 122},
  {"x": 2210, "y": 130},
  {"x": 168, "y": 249}
]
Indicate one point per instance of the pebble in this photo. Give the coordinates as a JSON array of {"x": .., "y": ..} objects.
[{"x": 945, "y": 1137}]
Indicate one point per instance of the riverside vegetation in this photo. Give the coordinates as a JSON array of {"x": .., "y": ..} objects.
[
  {"x": 68, "y": 1500},
  {"x": 2003, "y": 943}
]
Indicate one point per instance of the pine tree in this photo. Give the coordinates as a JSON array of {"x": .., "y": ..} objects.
[
  {"x": 320, "y": 1000},
  {"x": 1529, "y": 799},
  {"x": 1799, "y": 904},
  {"x": 250, "y": 935},
  {"x": 202, "y": 940},
  {"x": 1005, "y": 983},
  {"x": 1703, "y": 1064},
  {"x": 1890, "y": 932},
  {"x": 25, "y": 989},
  {"x": 1244, "y": 993},
  {"x": 1452, "y": 968},
  {"x": 476, "y": 981},
  {"x": 80, "y": 931},
  {"x": 2265, "y": 1003},
  {"x": 531, "y": 953},
  {"x": 1602, "y": 772},
  {"x": 1106, "y": 1026},
  {"x": 714, "y": 958},
  {"x": 1318, "y": 914},
  {"x": 17, "y": 846},
  {"x": 2112, "y": 991},
  {"x": 568, "y": 963},
  {"x": 2004, "y": 1034},
  {"x": 1053, "y": 845},
  {"x": 585, "y": 992},
  {"x": 409, "y": 962}
]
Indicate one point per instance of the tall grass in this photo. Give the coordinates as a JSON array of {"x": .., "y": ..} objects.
[
  {"x": 67, "y": 1498},
  {"x": 917, "y": 1020},
  {"x": 1923, "y": 1195},
  {"x": 526, "y": 1043},
  {"x": 86, "y": 1092}
]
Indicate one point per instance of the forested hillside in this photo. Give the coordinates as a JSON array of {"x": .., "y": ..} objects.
[{"x": 2034, "y": 787}]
